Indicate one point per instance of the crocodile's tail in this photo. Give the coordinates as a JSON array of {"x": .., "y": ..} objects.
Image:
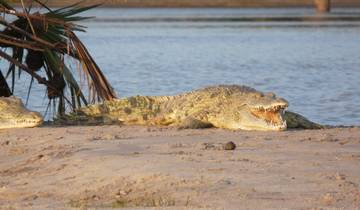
[{"x": 294, "y": 120}]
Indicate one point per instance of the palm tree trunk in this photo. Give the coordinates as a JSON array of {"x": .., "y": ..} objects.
[{"x": 323, "y": 5}]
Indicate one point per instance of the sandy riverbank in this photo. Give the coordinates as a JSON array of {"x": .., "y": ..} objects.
[{"x": 110, "y": 166}]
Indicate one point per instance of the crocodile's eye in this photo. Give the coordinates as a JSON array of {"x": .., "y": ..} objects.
[
  {"x": 271, "y": 95},
  {"x": 258, "y": 95}
]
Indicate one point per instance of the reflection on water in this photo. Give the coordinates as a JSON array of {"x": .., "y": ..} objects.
[{"x": 315, "y": 68}]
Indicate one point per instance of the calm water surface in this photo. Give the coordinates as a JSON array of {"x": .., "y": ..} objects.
[{"x": 315, "y": 66}]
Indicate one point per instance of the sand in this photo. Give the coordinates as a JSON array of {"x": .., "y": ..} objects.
[{"x": 135, "y": 167}]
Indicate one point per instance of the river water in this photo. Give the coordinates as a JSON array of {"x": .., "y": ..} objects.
[{"x": 315, "y": 65}]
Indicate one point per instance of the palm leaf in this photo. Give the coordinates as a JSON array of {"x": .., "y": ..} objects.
[
  {"x": 50, "y": 36},
  {"x": 4, "y": 4}
]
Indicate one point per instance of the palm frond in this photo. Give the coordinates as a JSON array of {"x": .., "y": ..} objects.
[
  {"x": 4, "y": 4},
  {"x": 47, "y": 41}
]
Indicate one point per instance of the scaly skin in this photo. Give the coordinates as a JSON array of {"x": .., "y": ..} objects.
[
  {"x": 225, "y": 106},
  {"x": 13, "y": 114}
]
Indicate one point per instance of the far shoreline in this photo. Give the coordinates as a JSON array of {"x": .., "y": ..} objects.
[{"x": 201, "y": 3}]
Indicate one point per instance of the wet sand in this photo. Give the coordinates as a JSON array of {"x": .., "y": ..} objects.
[{"x": 105, "y": 167}]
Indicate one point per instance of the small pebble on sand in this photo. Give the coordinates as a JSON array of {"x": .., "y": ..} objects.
[{"x": 229, "y": 146}]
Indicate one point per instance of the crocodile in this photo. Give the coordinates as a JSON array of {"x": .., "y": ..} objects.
[
  {"x": 13, "y": 114},
  {"x": 225, "y": 106}
]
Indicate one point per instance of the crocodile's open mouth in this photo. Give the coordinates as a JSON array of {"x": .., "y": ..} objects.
[{"x": 273, "y": 116}]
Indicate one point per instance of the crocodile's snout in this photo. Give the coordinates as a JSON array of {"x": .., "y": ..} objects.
[
  {"x": 15, "y": 115},
  {"x": 32, "y": 119}
]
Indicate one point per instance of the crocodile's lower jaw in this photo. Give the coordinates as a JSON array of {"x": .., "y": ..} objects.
[{"x": 281, "y": 127}]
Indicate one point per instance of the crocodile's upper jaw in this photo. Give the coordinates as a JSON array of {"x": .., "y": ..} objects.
[{"x": 13, "y": 114}]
